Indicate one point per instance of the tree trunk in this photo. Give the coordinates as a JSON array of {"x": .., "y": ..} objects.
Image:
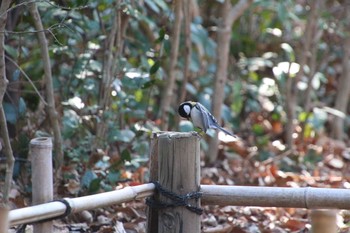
[
  {"x": 3, "y": 126},
  {"x": 170, "y": 82},
  {"x": 342, "y": 98},
  {"x": 229, "y": 16}
]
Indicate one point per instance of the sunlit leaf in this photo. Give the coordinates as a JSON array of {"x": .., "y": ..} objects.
[
  {"x": 258, "y": 129},
  {"x": 125, "y": 135},
  {"x": 138, "y": 95},
  {"x": 289, "y": 51},
  {"x": 152, "y": 5}
]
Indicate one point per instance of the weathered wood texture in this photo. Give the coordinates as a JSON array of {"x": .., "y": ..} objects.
[
  {"x": 152, "y": 214},
  {"x": 178, "y": 171}
]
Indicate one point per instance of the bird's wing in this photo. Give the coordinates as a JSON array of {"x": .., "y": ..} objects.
[{"x": 208, "y": 119}]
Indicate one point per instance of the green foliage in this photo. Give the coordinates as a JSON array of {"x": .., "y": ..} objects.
[{"x": 265, "y": 52}]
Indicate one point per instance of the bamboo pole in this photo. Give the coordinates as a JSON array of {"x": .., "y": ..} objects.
[
  {"x": 324, "y": 221},
  {"x": 4, "y": 218},
  {"x": 42, "y": 182},
  {"x": 310, "y": 198},
  {"x": 178, "y": 172},
  {"x": 55, "y": 209}
]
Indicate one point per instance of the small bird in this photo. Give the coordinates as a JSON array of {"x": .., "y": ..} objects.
[{"x": 200, "y": 117}]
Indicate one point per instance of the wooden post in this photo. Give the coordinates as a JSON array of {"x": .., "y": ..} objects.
[
  {"x": 42, "y": 183},
  {"x": 152, "y": 214},
  {"x": 324, "y": 221},
  {"x": 178, "y": 172},
  {"x": 4, "y": 223}
]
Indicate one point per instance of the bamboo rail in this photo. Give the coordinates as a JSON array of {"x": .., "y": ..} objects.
[
  {"x": 54, "y": 209},
  {"x": 308, "y": 197}
]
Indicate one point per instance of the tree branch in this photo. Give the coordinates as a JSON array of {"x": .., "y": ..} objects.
[
  {"x": 170, "y": 82},
  {"x": 27, "y": 77},
  {"x": 187, "y": 9},
  {"x": 238, "y": 10},
  {"x": 51, "y": 109}
]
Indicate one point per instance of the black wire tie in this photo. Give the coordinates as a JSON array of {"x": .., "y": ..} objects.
[{"x": 176, "y": 199}]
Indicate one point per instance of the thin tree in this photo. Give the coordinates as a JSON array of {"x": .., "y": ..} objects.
[
  {"x": 229, "y": 15},
  {"x": 170, "y": 82},
  {"x": 113, "y": 48},
  {"x": 3, "y": 125},
  {"x": 342, "y": 99}
]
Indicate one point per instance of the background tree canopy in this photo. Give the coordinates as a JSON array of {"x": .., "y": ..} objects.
[{"x": 274, "y": 72}]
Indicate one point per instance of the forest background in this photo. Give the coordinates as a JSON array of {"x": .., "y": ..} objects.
[{"x": 100, "y": 76}]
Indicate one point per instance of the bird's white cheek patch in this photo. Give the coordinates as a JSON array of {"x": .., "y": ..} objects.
[{"x": 187, "y": 109}]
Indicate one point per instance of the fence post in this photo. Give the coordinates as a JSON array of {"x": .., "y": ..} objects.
[
  {"x": 4, "y": 212},
  {"x": 178, "y": 172},
  {"x": 42, "y": 182},
  {"x": 152, "y": 214},
  {"x": 324, "y": 221}
]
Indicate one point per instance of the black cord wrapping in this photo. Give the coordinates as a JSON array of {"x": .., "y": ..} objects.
[
  {"x": 68, "y": 208},
  {"x": 176, "y": 199},
  {"x": 22, "y": 228}
]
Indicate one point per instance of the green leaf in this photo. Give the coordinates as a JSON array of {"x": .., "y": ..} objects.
[
  {"x": 303, "y": 116},
  {"x": 150, "y": 83},
  {"x": 11, "y": 51},
  {"x": 289, "y": 51},
  {"x": 12, "y": 112},
  {"x": 258, "y": 129},
  {"x": 161, "y": 36},
  {"x": 154, "y": 68},
  {"x": 126, "y": 156},
  {"x": 88, "y": 177},
  {"x": 95, "y": 185},
  {"x": 113, "y": 176},
  {"x": 152, "y": 5},
  {"x": 125, "y": 135},
  {"x": 138, "y": 95}
]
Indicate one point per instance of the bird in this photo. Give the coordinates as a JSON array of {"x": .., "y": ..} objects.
[{"x": 200, "y": 117}]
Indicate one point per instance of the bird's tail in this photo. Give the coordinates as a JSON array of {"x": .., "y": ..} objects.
[{"x": 227, "y": 132}]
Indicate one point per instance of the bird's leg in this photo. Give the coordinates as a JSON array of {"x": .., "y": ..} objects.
[{"x": 200, "y": 133}]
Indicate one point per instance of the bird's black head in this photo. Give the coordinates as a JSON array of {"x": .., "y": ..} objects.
[{"x": 185, "y": 109}]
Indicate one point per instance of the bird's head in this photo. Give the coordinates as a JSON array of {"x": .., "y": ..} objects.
[{"x": 185, "y": 109}]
